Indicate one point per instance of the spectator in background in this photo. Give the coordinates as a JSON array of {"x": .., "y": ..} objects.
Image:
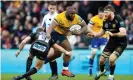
[
  {"x": 84, "y": 9},
  {"x": 6, "y": 40},
  {"x": 36, "y": 11},
  {"x": 130, "y": 34}
]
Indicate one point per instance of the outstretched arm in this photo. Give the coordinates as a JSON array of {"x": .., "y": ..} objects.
[
  {"x": 22, "y": 45},
  {"x": 122, "y": 33},
  {"x": 51, "y": 27},
  {"x": 61, "y": 49},
  {"x": 99, "y": 34}
]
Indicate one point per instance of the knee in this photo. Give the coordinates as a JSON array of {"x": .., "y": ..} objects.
[
  {"x": 31, "y": 56},
  {"x": 102, "y": 60},
  {"x": 59, "y": 55},
  {"x": 112, "y": 62}
]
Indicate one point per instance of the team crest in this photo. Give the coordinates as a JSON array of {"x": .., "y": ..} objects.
[{"x": 114, "y": 26}]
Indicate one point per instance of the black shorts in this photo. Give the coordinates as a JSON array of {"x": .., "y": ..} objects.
[
  {"x": 114, "y": 46},
  {"x": 58, "y": 38},
  {"x": 39, "y": 50}
]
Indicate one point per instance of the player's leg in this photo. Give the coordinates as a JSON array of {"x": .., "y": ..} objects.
[
  {"x": 91, "y": 59},
  {"x": 113, "y": 57},
  {"x": 106, "y": 53},
  {"x": 102, "y": 62},
  {"x": 53, "y": 66},
  {"x": 38, "y": 65},
  {"x": 94, "y": 49},
  {"x": 103, "y": 42},
  {"x": 29, "y": 62},
  {"x": 65, "y": 72}
]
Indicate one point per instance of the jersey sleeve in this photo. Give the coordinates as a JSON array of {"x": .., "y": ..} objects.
[
  {"x": 92, "y": 21},
  {"x": 120, "y": 21},
  {"x": 57, "y": 19},
  {"x": 80, "y": 20},
  {"x": 52, "y": 42},
  {"x": 33, "y": 35}
]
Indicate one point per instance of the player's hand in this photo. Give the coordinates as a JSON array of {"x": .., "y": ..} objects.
[
  {"x": 110, "y": 33},
  {"x": 17, "y": 53},
  {"x": 48, "y": 36},
  {"x": 91, "y": 35},
  {"x": 67, "y": 53}
]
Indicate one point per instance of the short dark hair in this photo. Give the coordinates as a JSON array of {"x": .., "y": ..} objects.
[
  {"x": 109, "y": 8},
  {"x": 39, "y": 30},
  {"x": 101, "y": 9},
  {"x": 52, "y": 3}
]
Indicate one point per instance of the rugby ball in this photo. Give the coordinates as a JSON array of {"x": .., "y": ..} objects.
[{"x": 75, "y": 28}]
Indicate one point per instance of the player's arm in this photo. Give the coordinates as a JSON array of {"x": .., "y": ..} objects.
[
  {"x": 61, "y": 49},
  {"x": 122, "y": 31},
  {"x": 85, "y": 29},
  {"x": 99, "y": 34},
  {"x": 51, "y": 27},
  {"x": 21, "y": 46}
]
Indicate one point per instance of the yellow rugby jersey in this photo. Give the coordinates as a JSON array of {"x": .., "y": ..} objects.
[
  {"x": 64, "y": 24},
  {"x": 97, "y": 24}
]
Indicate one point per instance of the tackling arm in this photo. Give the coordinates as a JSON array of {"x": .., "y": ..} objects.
[
  {"x": 22, "y": 45},
  {"x": 121, "y": 33},
  {"x": 51, "y": 27},
  {"x": 61, "y": 49},
  {"x": 99, "y": 34}
]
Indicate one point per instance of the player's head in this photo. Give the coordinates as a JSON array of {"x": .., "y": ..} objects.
[
  {"x": 101, "y": 12},
  {"x": 109, "y": 11},
  {"x": 39, "y": 30},
  {"x": 70, "y": 13},
  {"x": 52, "y": 7}
]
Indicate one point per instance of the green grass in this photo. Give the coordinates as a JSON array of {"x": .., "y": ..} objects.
[{"x": 78, "y": 77}]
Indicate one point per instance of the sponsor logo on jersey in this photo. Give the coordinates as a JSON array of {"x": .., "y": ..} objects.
[
  {"x": 39, "y": 47},
  {"x": 114, "y": 26}
]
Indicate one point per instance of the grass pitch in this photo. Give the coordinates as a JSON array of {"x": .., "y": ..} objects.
[{"x": 77, "y": 77}]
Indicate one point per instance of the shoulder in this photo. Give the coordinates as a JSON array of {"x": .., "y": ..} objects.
[
  {"x": 94, "y": 18},
  {"x": 46, "y": 16},
  {"x": 118, "y": 17},
  {"x": 78, "y": 18},
  {"x": 59, "y": 17}
]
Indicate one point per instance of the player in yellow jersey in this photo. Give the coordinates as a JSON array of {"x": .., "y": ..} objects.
[
  {"x": 59, "y": 30},
  {"x": 96, "y": 23}
]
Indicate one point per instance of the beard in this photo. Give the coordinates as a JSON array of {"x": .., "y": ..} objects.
[{"x": 108, "y": 17}]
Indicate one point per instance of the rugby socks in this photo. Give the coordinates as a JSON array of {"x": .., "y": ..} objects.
[
  {"x": 65, "y": 64},
  {"x": 32, "y": 71},
  {"x": 28, "y": 64},
  {"x": 112, "y": 69},
  {"x": 46, "y": 60},
  {"x": 102, "y": 67},
  {"x": 91, "y": 63},
  {"x": 53, "y": 66}
]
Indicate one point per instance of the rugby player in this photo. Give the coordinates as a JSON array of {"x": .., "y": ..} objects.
[
  {"x": 114, "y": 26},
  {"x": 96, "y": 23},
  {"x": 47, "y": 19},
  {"x": 39, "y": 48},
  {"x": 59, "y": 30}
]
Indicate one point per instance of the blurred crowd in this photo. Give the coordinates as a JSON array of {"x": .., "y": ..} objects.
[{"x": 20, "y": 18}]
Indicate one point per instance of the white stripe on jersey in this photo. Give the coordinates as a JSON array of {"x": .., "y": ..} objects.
[{"x": 47, "y": 19}]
